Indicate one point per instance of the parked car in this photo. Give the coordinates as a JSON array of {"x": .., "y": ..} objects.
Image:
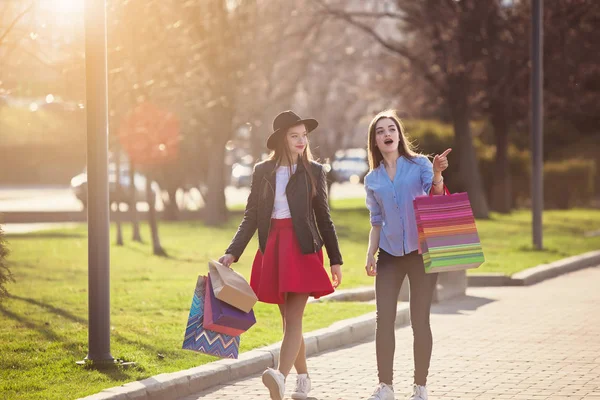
[
  {"x": 350, "y": 165},
  {"x": 79, "y": 186}
]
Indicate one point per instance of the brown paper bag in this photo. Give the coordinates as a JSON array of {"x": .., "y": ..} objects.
[{"x": 231, "y": 287}]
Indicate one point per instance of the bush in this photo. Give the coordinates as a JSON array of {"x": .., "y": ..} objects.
[
  {"x": 429, "y": 137},
  {"x": 433, "y": 137},
  {"x": 5, "y": 274},
  {"x": 566, "y": 183},
  {"x": 519, "y": 168},
  {"x": 569, "y": 183}
]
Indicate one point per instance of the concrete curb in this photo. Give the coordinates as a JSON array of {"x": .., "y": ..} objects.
[
  {"x": 539, "y": 273},
  {"x": 489, "y": 279},
  {"x": 450, "y": 285},
  {"x": 176, "y": 385},
  {"x": 363, "y": 294},
  {"x": 542, "y": 272}
]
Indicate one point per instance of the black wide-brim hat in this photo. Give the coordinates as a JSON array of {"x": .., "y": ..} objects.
[{"x": 285, "y": 120}]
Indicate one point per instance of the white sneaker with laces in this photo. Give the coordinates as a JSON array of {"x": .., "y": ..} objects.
[
  {"x": 275, "y": 382},
  {"x": 302, "y": 387},
  {"x": 419, "y": 393},
  {"x": 383, "y": 392}
]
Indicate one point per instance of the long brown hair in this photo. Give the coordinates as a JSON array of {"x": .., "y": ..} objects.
[
  {"x": 282, "y": 151},
  {"x": 405, "y": 147}
]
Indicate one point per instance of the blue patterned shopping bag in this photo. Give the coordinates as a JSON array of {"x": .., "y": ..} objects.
[{"x": 202, "y": 340}]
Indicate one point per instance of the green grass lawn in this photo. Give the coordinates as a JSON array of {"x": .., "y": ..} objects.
[
  {"x": 43, "y": 326},
  {"x": 507, "y": 240}
]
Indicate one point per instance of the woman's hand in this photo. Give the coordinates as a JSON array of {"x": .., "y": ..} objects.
[
  {"x": 336, "y": 275},
  {"x": 371, "y": 265},
  {"x": 227, "y": 260},
  {"x": 440, "y": 162}
]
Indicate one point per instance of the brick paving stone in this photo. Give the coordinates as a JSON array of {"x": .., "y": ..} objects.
[{"x": 536, "y": 342}]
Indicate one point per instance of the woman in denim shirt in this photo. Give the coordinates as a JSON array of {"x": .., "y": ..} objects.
[{"x": 398, "y": 175}]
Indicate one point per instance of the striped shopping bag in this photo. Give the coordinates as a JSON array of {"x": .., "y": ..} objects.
[
  {"x": 203, "y": 340},
  {"x": 448, "y": 238}
]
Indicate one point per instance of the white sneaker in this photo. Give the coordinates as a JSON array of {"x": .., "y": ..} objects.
[
  {"x": 302, "y": 387},
  {"x": 383, "y": 392},
  {"x": 275, "y": 382},
  {"x": 419, "y": 393}
]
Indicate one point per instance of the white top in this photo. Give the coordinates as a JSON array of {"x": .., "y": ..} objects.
[{"x": 281, "y": 209}]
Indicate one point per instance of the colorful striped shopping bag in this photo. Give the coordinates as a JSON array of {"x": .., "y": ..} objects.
[
  {"x": 203, "y": 340},
  {"x": 448, "y": 238}
]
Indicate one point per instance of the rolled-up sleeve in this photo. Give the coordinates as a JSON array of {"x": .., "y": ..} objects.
[
  {"x": 374, "y": 207},
  {"x": 426, "y": 173}
]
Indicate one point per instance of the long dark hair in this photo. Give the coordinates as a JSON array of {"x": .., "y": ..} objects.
[
  {"x": 405, "y": 147},
  {"x": 282, "y": 151}
]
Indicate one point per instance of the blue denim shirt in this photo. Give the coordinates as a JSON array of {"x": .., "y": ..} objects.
[{"x": 391, "y": 203}]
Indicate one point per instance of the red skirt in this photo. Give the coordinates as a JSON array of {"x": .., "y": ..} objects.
[{"x": 283, "y": 268}]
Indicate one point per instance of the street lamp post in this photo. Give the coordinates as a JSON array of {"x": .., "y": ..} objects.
[
  {"x": 97, "y": 181},
  {"x": 537, "y": 114}
]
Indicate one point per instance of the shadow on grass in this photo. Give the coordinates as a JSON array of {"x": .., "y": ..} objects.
[
  {"x": 116, "y": 373},
  {"x": 572, "y": 226},
  {"x": 26, "y": 322},
  {"x": 459, "y": 305},
  {"x": 113, "y": 372},
  {"x": 52, "y": 309},
  {"x": 22, "y": 266},
  {"x": 530, "y": 249},
  {"x": 148, "y": 251}
]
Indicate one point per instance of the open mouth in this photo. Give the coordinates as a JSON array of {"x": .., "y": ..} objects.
[{"x": 388, "y": 141}]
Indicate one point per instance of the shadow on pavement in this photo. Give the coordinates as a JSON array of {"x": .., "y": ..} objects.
[{"x": 460, "y": 305}]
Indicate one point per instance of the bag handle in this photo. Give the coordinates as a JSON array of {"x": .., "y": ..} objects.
[{"x": 446, "y": 191}]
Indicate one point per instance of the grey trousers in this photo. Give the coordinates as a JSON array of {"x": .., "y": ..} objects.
[{"x": 391, "y": 271}]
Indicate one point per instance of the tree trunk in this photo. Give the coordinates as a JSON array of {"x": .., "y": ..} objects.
[
  {"x": 216, "y": 208},
  {"x": 499, "y": 70},
  {"x": 171, "y": 207},
  {"x": 118, "y": 192},
  {"x": 133, "y": 206},
  {"x": 157, "y": 249},
  {"x": 501, "y": 185},
  {"x": 468, "y": 169}
]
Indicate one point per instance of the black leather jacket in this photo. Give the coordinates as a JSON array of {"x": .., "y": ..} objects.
[{"x": 308, "y": 212}]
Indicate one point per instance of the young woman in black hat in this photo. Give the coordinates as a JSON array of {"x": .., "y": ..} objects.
[{"x": 289, "y": 207}]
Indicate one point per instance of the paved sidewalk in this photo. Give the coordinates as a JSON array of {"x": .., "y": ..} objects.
[{"x": 537, "y": 342}]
